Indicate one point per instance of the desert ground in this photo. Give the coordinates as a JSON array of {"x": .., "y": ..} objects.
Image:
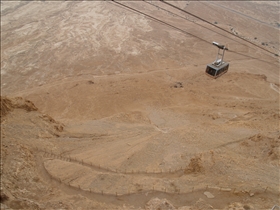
[{"x": 106, "y": 108}]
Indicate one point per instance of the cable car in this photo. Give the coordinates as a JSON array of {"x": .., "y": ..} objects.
[{"x": 218, "y": 67}]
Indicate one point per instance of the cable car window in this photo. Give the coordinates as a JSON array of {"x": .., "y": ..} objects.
[{"x": 210, "y": 71}]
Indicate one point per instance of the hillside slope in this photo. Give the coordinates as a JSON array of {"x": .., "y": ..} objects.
[{"x": 103, "y": 108}]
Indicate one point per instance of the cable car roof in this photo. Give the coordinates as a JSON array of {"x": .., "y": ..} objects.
[{"x": 217, "y": 68}]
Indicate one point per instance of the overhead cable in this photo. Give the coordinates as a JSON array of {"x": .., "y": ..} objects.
[
  {"x": 160, "y": 21},
  {"x": 176, "y": 28},
  {"x": 171, "y": 5},
  {"x": 174, "y": 14}
]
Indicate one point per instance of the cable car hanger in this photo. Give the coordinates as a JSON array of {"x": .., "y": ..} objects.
[{"x": 218, "y": 67}]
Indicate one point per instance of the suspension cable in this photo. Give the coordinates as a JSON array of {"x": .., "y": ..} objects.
[
  {"x": 171, "y": 5},
  {"x": 194, "y": 23},
  {"x": 174, "y": 27}
]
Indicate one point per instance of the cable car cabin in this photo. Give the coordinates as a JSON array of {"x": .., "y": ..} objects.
[
  {"x": 218, "y": 67},
  {"x": 216, "y": 71}
]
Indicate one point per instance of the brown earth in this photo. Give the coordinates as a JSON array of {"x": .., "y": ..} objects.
[{"x": 103, "y": 108}]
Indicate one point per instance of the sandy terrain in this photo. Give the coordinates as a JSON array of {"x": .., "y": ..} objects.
[{"x": 103, "y": 108}]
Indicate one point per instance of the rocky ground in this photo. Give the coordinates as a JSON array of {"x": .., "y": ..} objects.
[{"x": 103, "y": 108}]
